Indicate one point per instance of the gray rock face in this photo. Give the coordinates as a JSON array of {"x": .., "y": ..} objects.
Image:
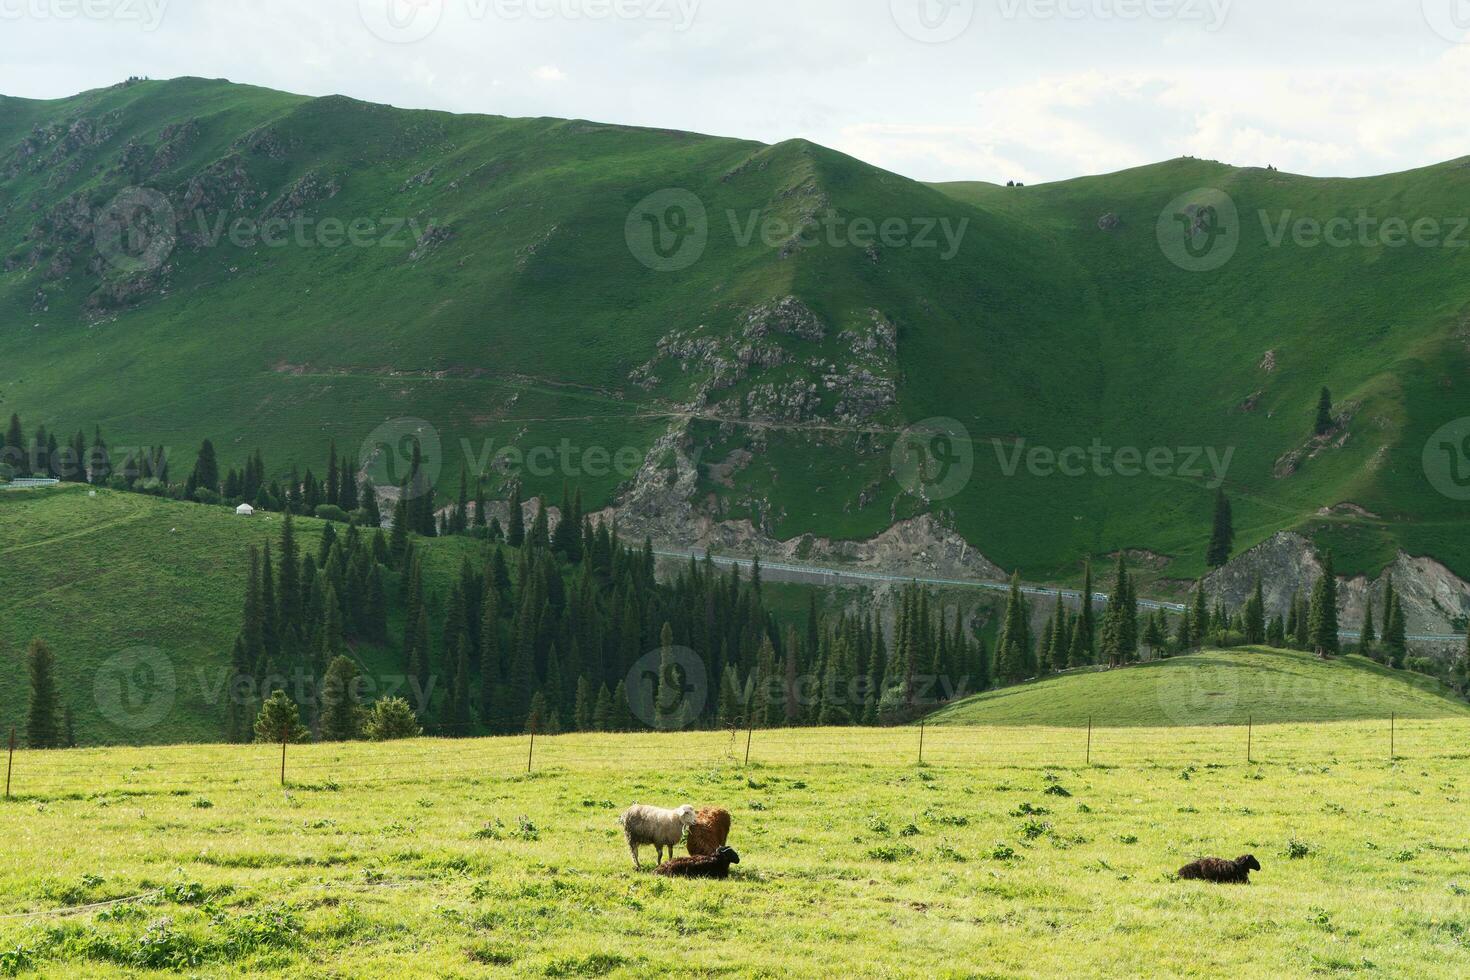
[{"x": 1436, "y": 601}]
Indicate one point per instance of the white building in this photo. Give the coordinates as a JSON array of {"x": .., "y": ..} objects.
[{"x": 244, "y": 510}]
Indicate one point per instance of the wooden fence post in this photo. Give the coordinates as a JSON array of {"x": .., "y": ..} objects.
[
  {"x": 531, "y": 752},
  {"x": 10, "y": 763},
  {"x": 1393, "y": 723},
  {"x": 749, "y": 732},
  {"x": 1089, "y": 740},
  {"x": 1250, "y": 726},
  {"x": 284, "y": 739},
  {"x": 921, "y": 743}
]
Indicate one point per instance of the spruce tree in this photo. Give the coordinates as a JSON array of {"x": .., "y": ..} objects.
[
  {"x": 538, "y": 719},
  {"x": 1395, "y": 630},
  {"x": 1323, "y": 616},
  {"x": 1303, "y": 624},
  {"x": 602, "y": 713},
  {"x": 1199, "y": 617},
  {"x": 1370, "y": 632},
  {"x": 44, "y": 723},
  {"x": 1255, "y": 616},
  {"x": 1012, "y": 656},
  {"x": 582, "y": 712},
  {"x": 341, "y": 717},
  {"x": 206, "y": 471},
  {"x": 1077, "y": 653},
  {"x": 280, "y": 721}
]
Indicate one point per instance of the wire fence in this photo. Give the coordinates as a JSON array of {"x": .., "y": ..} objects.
[{"x": 186, "y": 770}]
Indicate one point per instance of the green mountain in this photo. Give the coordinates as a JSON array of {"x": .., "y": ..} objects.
[
  {"x": 1216, "y": 687},
  {"x": 551, "y": 286}
]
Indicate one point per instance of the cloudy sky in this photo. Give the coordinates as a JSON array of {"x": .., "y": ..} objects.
[{"x": 934, "y": 89}]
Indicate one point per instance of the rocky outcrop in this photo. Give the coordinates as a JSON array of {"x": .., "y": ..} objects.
[{"x": 1436, "y": 601}]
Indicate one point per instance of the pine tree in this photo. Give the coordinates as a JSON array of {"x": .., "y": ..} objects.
[
  {"x": 602, "y": 714},
  {"x": 15, "y": 444},
  {"x": 341, "y": 717},
  {"x": 461, "y": 717},
  {"x": 280, "y": 721},
  {"x": 1370, "y": 632},
  {"x": 1012, "y": 652},
  {"x": 538, "y": 715},
  {"x": 205, "y": 475},
  {"x": 1303, "y": 636},
  {"x": 44, "y": 723},
  {"x": 1199, "y": 617},
  {"x": 540, "y": 537},
  {"x": 1222, "y": 533},
  {"x": 1395, "y": 630},
  {"x": 1255, "y": 616},
  {"x": 1324, "y": 414},
  {"x": 582, "y": 712},
  {"x": 1077, "y": 653},
  {"x": 1276, "y": 633},
  {"x": 1323, "y": 616}
]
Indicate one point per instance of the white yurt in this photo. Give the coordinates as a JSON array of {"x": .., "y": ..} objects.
[{"x": 244, "y": 510}]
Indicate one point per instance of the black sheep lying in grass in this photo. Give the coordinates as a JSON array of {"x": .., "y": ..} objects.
[
  {"x": 716, "y": 865},
  {"x": 1237, "y": 872}
]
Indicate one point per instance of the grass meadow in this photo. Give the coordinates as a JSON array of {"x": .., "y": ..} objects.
[{"x": 1004, "y": 853}]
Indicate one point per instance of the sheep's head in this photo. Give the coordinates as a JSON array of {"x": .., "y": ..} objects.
[
  {"x": 728, "y": 854},
  {"x": 687, "y": 815},
  {"x": 1248, "y": 861}
]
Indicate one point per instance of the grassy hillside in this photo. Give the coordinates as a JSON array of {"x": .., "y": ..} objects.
[
  {"x": 99, "y": 576},
  {"x": 527, "y": 320},
  {"x": 1216, "y": 687},
  {"x": 431, "y": 859}
]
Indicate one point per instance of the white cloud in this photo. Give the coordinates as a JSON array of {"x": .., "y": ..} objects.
[{"x": 549, "y": 73}]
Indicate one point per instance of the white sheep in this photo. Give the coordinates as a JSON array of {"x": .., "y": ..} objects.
[{"x": 657, "y": 826}]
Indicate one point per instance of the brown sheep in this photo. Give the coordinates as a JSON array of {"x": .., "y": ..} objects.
[
  {"x": 716, "y": 865},
  {"x": 1220, "y": 871},
  {"x": 709, "y": 833}
]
